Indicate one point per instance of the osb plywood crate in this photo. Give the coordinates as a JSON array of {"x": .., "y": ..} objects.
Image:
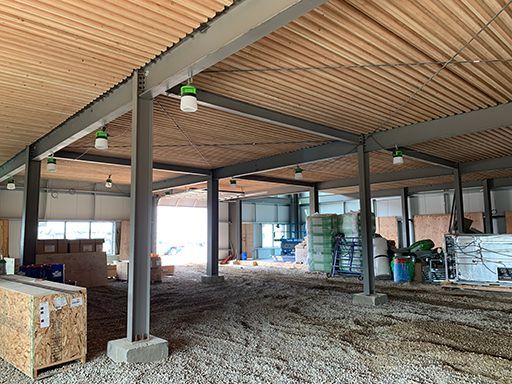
[{"x": 42, "y": 324}]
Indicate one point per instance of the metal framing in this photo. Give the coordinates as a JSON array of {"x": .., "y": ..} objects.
[
  {"x": 406, "y": 231},
  {"x": 488, "y": 225},
  {"x": 141, "y": 217},
  {"x": 366, "y": 220},
  {"x": 235, "y": 227},
  {"x": 212, "y": 263},
  {"x": 459, "y": 201},
  {"x": 314, "y": 204},
  {"x": 30, "y": 212}
]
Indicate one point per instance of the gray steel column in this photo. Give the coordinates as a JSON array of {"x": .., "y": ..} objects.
[
  {"x": 406, "y": 231},
  {"x": 235, "y": 227},
  {"x": 294, "y": 216},
  {"x": 366, "y": 220},
  {"x": 140, "y": 219},
  {"x": 212, "y": 264},
  {"x": 314, "y": 206},
  {"x": 30, "y": 213},
  {"x": 459, "y": 201},
  {"x": 154, "y": 223},
  {"x": 487, "y": 186}
]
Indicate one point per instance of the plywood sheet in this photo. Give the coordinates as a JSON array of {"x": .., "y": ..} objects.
[
  {"x": 4, "y": 237},
  {"x": 434, "y": 227},
  {"x": 124, "y": 245},
  {"x": 508, "y": 220},
  {"x": 88, "y": 269},
  {"x": 248, "y": 239},
  {"x": 387, "y": 227}
]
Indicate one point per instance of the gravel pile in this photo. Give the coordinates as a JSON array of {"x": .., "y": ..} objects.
[{"x": 266, "y": 325}]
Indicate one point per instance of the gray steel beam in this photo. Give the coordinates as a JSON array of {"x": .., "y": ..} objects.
[
  {"x": 307, "y": 155},
  {"x": 254, "y": 112},
  {"x": 314, "y": 206},
  {"x": 237, "y": 27},
  {"x": 459, "y": 201},
  {"x": 366, "y": 221},
  {"x": 13, "y": 166},
  {"x": 406, "y": 233},
  {"x": 488, "y": 225},
  {"x": 242, "y": 24},
  {"x": 212, "y": 263},
  {"x": 434, "y": 160},
  {"x": 277, "y": 180},
  {"x": 180, "y": 181},
  {"x": 91, "y": 158},
  {"x": 462, "y": 124},
  {"x": 487, "y": 164},
  {"x": 30, "y": 210},
  {"x": 141, "y": 217}
]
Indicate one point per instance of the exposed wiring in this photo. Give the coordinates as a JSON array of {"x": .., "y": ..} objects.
[{"x": 356, "y": 66}]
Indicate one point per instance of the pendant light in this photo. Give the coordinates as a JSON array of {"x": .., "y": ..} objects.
[
  {"x": 108, "y": 182},
  {"x": 101, "y": 141},
  {"x": 11, "y": 185},
  {"x": 298, "y": 173},
  {"x": 398, "y": 156},
  {"x": 232, "y": 183},
  {"x": 188, "y": 102},
  {"x": 51, "y": 164}
]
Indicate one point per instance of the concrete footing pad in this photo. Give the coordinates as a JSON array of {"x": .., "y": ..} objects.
[
  {"x": 145, "y": 351},
  {"x": 372, "y": 300},
  {"x": 212, "y": 279}
]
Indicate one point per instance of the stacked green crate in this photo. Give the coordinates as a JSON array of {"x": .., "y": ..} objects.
[{"x": 321, "y": 230}]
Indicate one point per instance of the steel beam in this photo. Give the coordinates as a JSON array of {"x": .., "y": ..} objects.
[
  {"x": 140, "y": 219},
  {"x": 235, "y": 28},
  {"x": 314, "y": 206},
  {"x": 180, "y": 181},
  {"x": 488, "y": 225},
  {"x": 487, "y": 164},
  {"x": 277, "y": 180},
  {"x": 30, "y": 210},
  {"x": 212, "y": 263},
  {"x": 434, "y": 160},
  {"x": 307, "y": 155},
  {"x": 13, "y": 166},
  {"x": 442, "y": 128},
  {"x": 459, "y": 201},
  {"x": 406, "y": 232},
  {"x": 91, "y": 158},
  {"x": 366, "y": 221}
]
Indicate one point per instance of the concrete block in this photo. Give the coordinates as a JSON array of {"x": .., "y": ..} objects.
[
  {"x": 145, "y": 351},
  {"x": 373, "y": 300},
  {"x": 212, "y": 279}
]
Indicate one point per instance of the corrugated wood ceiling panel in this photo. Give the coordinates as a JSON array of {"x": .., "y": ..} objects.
[
  {"x": 476, "y": 146},
  {"x": 207, "y": 138},
  {"x": 374, "y": 32},
  {"x": 346, "y": 167},
  {"x": 97, "y": 173},
  {"x": 57, "y": 56}
]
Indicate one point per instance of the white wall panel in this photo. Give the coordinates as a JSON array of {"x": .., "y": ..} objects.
[
  {"x": 248, "y": 212},
  {"x": 333, "y": 208},
  {"x": 388, "y": 207},
  {"x": 283, "y": 213},
  {"x": 112, "y": 208},
  {"x": 266, "y": 213},
  {"x": 62, "y": 206}
]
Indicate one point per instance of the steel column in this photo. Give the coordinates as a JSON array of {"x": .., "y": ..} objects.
[
  {"x": 154, "y": 223},
  {"x": 141, "y": 206},
  {"x": 406, "y": 233},
  {"x": 294, "y": 216},
  {"x": 459, "y": 201},
  {"x": 366, "y": 220},
  {"x": 487, "y": 186},
  {"x": 212, "y": 264},
  {"x": 235, "y": 227},
  {"x": 30, "y": 213},
  {"x": 314, "y": 204}
]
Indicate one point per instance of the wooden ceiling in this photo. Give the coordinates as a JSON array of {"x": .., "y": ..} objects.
[
  {"x": 207, "y": 138},
  {"x": 371, "y": 65},
  {"x": 57, "y": 56}
]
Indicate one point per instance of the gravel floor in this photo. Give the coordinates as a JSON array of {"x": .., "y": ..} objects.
[{"x": 266, "y": 325}]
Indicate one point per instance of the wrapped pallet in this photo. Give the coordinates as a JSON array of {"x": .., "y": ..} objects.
[
  {"x": 349, "y": 224},
  {"x": 301, "y": 252},
  {"x": 321, "y": 230}
]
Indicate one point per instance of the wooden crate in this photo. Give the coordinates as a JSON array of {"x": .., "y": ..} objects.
[
  {"x": 42, "y": 324},
  {"x": 88, "y": 269}
]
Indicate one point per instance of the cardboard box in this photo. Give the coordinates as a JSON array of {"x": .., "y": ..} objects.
[
  {"x": 47, "y": 323},
  {"x": 87, "y": 245},
  {"x": 62, "y": 246},
  {"x": 74, "y": 246},
  {"x": 47, "y": 246},
  {"x": 156, "y": 261},
  {"x": 12, "y": 265},
  {"x": 111, "y": 271},
  {"x": 156, "y": 275},
  {"x": 122, "y": 270},
  {"x": 168, "y": 269}
]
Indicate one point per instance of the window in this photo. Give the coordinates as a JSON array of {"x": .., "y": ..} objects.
[
  {"x": 78, "y": 230},
  {"x": 74, "y": 230},
  {"x": 51, "y": 230}
]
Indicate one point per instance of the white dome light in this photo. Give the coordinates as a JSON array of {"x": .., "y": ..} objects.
[
  {"x": 51, "y": 164},
  {"x": 188, "y": 102},
  {"x": 108, "y": 182},
  {"x": 398, "y": 157},
  {"x": 101, "y": 141},
  {"x": 11, "y": 185},
  {"x": 298, "y": 173},
  {"x": 232, "y": 183}
]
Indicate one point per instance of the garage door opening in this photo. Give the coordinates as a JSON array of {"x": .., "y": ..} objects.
[{"x": 181, "y": 235}]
